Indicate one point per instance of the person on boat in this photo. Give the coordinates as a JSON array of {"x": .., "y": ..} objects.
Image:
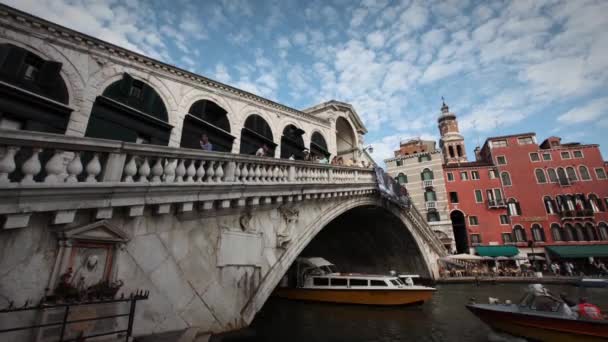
[{"x": 588, "y": 311}]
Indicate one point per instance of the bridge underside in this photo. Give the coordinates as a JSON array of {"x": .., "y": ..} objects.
[{"x": 368, "y": 239}]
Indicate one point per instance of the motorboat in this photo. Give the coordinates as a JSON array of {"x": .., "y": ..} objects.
[
  {"x": 540, "y": 316},
  {"x": 319, "y": 280},
  {"x": 593, "y": 282}
]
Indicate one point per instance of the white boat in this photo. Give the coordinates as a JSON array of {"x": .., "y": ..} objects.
[{"x": 319, "y": 280}]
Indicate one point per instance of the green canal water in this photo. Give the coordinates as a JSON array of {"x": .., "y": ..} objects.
[{"x": 444, "y": 318}]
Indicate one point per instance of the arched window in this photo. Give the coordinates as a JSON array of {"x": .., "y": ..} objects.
[
  {"x": 561, "y": 175},
  {"x": 569, "y": 201},
  {"x": 207, "y": 117},
  {"x": 255, "y": 134},
  {"x": 519, "y": 234},
  {"x": 459, "y": 150},
  {"x": 538, "y": 234},
  {"x": 34, "y": 95},
  {"x": 345, "y": 139},
  {"x": 580, "y": 233},
  {"x": 514, "y": 208},
  {"x": 549, "y": 205},
  {"x": 292, "y": 143},
  {"x": 402, "y": 178},
  {"x": 130, "y": 110},
  {"x": 584, "y": 173},
  {"x": 552, "y": 175},
  {"x": 540, "y": 176},
  {"x": 318, "y": 146},
  {"x": 430, "y": 196},
  {"x": 451, "y": 150},
  {"x": 506, "y": 179},
  {"x": 571, "y": 173},
  {"x": 596, "y": 204},
  {"x": 570, "y": 233},
  {"x": 581, "y": 203},
  {"x": 427, "y": 174},
  {"x": 556, "y": 232},
  {"x": 603, "y": 230},
  {"x": 590, "y": 230},
  {"x": 432, "y": 216}
]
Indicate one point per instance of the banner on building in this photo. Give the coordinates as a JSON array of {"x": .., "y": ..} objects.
[{"x": 391, "y": 189}]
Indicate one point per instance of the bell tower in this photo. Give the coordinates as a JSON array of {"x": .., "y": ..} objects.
[{"x": 451, "y": 142}]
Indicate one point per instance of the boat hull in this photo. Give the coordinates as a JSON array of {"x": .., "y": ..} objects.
[
  {"x": 358, "y": 296},
  {"x": 541, "y": 328}
]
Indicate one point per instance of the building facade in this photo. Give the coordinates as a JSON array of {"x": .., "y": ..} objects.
[{"x": 417, "y": 165}]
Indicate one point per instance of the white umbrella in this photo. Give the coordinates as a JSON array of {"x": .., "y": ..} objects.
[
  {"x": 519, "y": 257},
  {"x": 500, "y": 258},
  {"x": 464, "y": 256}
]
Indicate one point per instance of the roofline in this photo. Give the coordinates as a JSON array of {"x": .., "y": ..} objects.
[
  {"x": 335, "y": 103},
  {"x": 510, "y": 136},
  {"x": 6, "y": 10}
]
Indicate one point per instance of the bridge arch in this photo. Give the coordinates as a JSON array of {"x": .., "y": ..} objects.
[{"x": 308, "y": 234}]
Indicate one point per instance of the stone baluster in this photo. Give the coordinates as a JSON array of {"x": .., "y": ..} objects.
[
  {"x": 74, "y": 169},
  {"x": 237, "y": 172},
  {"x": 263, "y": 174},
  {"x": 210, "y": 173},
  {"x": 170, "y": 166},
  {"x": 246, "y": 176},
  {"x": 257, "y": 174},
  {"x": 200, "y": 171},
  {"x": 144, "y": 171},
  {"x": 180, "y": 171},
  {"x": 190, "y": 172},
  {"x": 292, "y": 173},
  {"x": 93, "y": 169},
  {"x": 130, "y": 170},
  {"x": 158, "y": 171},
  {"x": 54, "y": 168},
  {"x": 276, "y": 174},
  {"x": 230, "y": 172},
  {"x": 219, "y": 172},
  {"x": 31, "y": 167},
  {"x": 7, "y": 164}
]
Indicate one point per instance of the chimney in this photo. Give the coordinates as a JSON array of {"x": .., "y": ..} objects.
[{"x": 477, "y": 153}]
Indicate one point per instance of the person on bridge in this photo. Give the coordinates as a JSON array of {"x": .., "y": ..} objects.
[
  {"x": 587, "y": 310},
  {"x": 262, "y": 151},
  {"x": 205, "y": 144}
]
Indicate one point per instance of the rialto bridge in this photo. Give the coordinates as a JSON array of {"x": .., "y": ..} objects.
[{"x": 102, "y": 182}]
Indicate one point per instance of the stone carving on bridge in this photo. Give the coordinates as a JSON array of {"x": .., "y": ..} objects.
[
  {"x": 286, "y": 229},
  {"x": 245, "y": 222}
]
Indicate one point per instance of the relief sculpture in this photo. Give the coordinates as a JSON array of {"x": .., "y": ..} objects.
[{"x": 286, "y": 229}]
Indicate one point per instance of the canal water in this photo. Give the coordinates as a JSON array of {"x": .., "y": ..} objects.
[{"x": 444, "y": 318}]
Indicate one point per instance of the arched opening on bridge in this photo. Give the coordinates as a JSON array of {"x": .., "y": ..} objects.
[
  {"x": 460, "y": 231},
  {"x": 130, "y": 110},
  {"x": 207, "y": 117},
  {"x": 318, "y": 146},
  {"x": 256, "y": 133},
  {"x": 345, "y": 139},
  {"x": 292, "y": 143},
  {"x": 368, "y": 239}
]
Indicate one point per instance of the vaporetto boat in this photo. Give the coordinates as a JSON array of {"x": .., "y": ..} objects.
[{"x": 318, "y": 280}]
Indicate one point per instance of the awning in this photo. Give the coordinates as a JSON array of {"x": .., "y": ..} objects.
[
  {"x": 497, "y": 251},
  {"x": 578, "y": 251}
]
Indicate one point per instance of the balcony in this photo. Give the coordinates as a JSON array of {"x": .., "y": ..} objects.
[
  {"x": 494, "y": 204},
  {"x": 430, "y": 205},
  {"x": 576, "y": 214},
  {"x": 427, "y": 183}
]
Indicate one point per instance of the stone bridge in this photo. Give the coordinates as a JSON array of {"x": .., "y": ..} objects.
[{"x": 209, "y": 234}]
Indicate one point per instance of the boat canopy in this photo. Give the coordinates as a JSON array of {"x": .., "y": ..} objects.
[
  {"x": 316, "y": 262},
  {"x": 579, "y": 251},
  {"x": 497, "y": 251}
]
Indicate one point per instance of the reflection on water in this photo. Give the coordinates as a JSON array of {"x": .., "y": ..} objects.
[{"x": 444, "y": 318}]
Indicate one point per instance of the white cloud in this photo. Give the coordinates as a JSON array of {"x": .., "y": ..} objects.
[
  {"x": 358, "y": 16},
  {"x": 300, "y": 38},
  {"x": 221, "y": 73},
  {"x": 375, "y": 39},
  {"x": 594, "y": 110}
]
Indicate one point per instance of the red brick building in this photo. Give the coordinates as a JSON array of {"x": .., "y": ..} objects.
[{"x": 516, "y": 191}]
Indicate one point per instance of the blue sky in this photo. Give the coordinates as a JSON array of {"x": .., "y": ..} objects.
[{"x": 503, "y": 67}]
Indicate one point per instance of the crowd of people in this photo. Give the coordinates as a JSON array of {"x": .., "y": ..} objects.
[{"x": 264, "y": 151}]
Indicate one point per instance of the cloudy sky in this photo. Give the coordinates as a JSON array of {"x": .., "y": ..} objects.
[{"x": 503, "y": 67}]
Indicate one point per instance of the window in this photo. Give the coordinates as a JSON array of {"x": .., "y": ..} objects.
[
  {"x": 430, "y": 196},
  {"x": 427, "y": 174},
  {"x": 549, "y": 205},
  {"x": 399, "y": 162},
  {"x": 374, "y": 282},
  {"x": 475, "y": 239},
  {"x": 556, "y": 232},
  {"x": 584, "y": 173},
  {"x": 474, "y": 174},
  {"x": 561, "y": 176},
  {"x": 32, "y": 67},
  {"x": 571, "y": 173},
  {"x": 504, "y": 219},
  {"x": 493, "y": 174},
  {"x": 320, "y": 281},
  {"x": 423, "y": 158},
  {"x": 358, "y": 282},
  {"x": 534, "y": 157},
  {"x": 570, "y": 234},
  {"x": 338, "y": 281},
  {"x": 501, "y": 160},
  {"x": 519, "y": 233},
  {"x": 402, "y": 178},
  {"x": 600, "y": 173},
  {"x": 507, "y": 238},
  {"x": 565, "y": 155},
  {"x": 499, "y": 143},
  {"x": 537, "y": 233},
  {"x": 525, "y": 140},
  {"x": 590, "y": 230},
  {"x": 450, "y": 177},
  {"x": 578, "y": 154},
  {"x": 552, "y": 175},
  {"x": 547, "y": 156},
  {"x": 473, "y": 221},
  {"x": 505, "y": 178},
  {"x": 513, "y": 207},
  {"x": 540, "y": 176},
  {"x": 603, "y": 230},
  {"x": 137, "y": 89},
  {"x": 464, "y": 175},
  {"x": 478, "y": 196},
  {"x": 498, "y": 195},
  {"x": 453, "y": 197},
  {"x": 596, "y": 204},
  {"x": 432, "y": 216}
]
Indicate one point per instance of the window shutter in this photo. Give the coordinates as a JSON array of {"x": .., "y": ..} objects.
[
  {"x": 125, "y": 84},
  {"x": 49, "y": 73},
  {"x": 12, "y": 60}
]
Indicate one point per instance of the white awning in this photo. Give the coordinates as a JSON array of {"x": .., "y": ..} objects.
[{"x": 316, "y": 262}]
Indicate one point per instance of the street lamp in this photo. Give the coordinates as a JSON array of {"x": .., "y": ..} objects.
[{"x": 531, "y": 245}]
